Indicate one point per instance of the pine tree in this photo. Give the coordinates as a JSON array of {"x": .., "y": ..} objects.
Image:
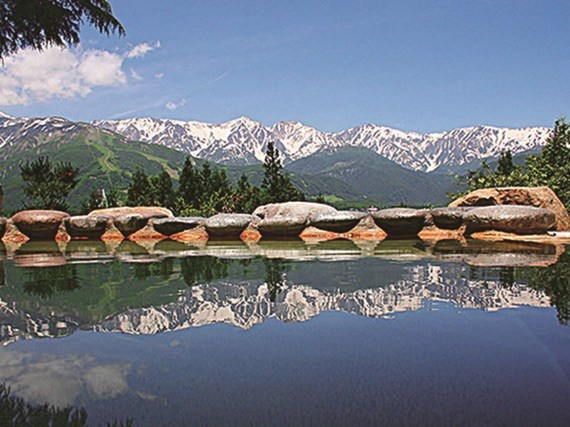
[
  {"x": 189, "y": 190},
  {"x": 47, "y": 184},
  {"x": 95, "y": 201},
  {"x": 139, "y": 192},
  {"x": 162, "y": 190},
  {"x": 276, "y": 186}
]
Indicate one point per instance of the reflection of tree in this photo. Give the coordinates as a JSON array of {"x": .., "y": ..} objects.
[
  {"x": 2, "y": 274},
  {"x": 163, "y": 269},
  {"x": 203, "y": 269},
  {"x": 15, "y": 411},
  {"x": 507, "y": 277},
  {"x": 47, "y": 280},
  {"x": 275, "y": 270},
  {"x": 554, "y": 281}
]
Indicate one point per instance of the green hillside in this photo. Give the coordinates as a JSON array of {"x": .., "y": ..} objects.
[
  {"x": 369, "y": 176},
  {"x": 103, "y": 160}
]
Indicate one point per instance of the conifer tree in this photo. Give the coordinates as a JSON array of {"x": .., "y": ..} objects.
[
  {"x": 190, "y": 185},
  {"x": 47, "y": 185},
  {"x": 139, "y": 192},
  {"x": 276, "y": 186},
  {"x": 162, "y": 190}
]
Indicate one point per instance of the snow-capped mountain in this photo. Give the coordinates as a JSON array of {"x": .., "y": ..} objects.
[{"x": 243, "y": 141}]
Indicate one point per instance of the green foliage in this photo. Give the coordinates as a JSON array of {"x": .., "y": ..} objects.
[
  {"x": 276, "y": 186},
  {"x": 38, "y": 24},
  {"x": 139, "y": 192},
  {"x": 162, "y": 191},
  {"x": 47, "y": 184},
  {"x": 550, "y": 168}
]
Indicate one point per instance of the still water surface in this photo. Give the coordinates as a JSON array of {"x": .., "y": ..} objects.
[{"x": 341, "y": 332}]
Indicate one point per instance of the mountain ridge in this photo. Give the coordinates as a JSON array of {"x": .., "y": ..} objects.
[{"x": 242, "y": 141}]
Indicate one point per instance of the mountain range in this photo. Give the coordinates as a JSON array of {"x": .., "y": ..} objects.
[
  {"x": 243, "y": 141},
  {"x": 360, "y": 166}
]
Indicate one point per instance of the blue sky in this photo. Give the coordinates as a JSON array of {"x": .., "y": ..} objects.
[{"x": 415, "y": 65}]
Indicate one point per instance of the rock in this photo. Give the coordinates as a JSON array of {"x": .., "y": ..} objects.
[
  {"x": 227, "y": 225},
  {"x": 448, "y": 218},
  {"x": 307, "y": 210},
  {"x": 510, "y": 219},
  {"x": 400, "y": 222},
  {"x": 39, "y": 224},
  {"x": 282, "y": 226},
  {"x": 3, "y": 222},
  {"x": 540, "y": 197},
  {"x": 146, "y": 211},
  {"x": 86, "y": 226},
  {"x": 169, "y": 226},
  {"x": 130, "y": 223},
  {"x": 338, "y": 222}
]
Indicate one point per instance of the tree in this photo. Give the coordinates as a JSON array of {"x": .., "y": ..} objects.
[
  {"x": 38, "y": 24},
  {"x": 139, "y": 192},
  {"x": 276, "y": 186},
  {"x": 162, "y": 190},
  {"x": 47, "y": 184},
  {"x": 190, "y": 185}
]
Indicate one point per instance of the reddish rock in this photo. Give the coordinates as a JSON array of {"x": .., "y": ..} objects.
[
  {"x": 540, "y": 197},
  {"x": 39, "y": 224},
  {"x": 146, "y": 211},
  {"x": 197, "y": 234},
  {"x": 12, "y": 235}
]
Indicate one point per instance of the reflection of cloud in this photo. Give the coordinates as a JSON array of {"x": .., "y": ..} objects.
[{"x": 59, "y": 381}]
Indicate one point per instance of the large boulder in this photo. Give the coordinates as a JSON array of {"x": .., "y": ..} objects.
[
  {"x": 307, "y": 210},
  {"x": 540, "y": 197},
  {"x": 146, "y": 211},
  {"x": 129, "y": 224},
  {"x": 337, "y": 222},
  {"x": 39, "y": 224},
  {"x": 169, "y": 226},
  {"x": 510, "y": 219},
  {"x": 86, "y": 226},
  {"x": 400, "y": 222},
  {"x": 227, "y": 225},
  {"x": 448, "y": 218},
  {"x": 282, "y": 226}
]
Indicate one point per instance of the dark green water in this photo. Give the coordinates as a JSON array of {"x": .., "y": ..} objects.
[{"x": 337, "y": 333}]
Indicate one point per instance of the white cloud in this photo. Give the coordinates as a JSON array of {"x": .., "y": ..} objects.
[
  {"x": 159, "y": 75},
  {"x": 171, "y": 105},
  {"x": 32, "y": 76},
  {"x": 135, "y": 75},
  {"x": 142, "y": 49}
]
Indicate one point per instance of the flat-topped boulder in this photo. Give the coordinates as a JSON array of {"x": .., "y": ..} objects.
[
  {"x": 282, "y": 226},
  {"x": 3, "y": 222},
  {"x": 540, "y": 197},
  {"x": 145, "y": 211},
  {"x": 129, "y": 224},
  {"x": 292, "y": 209},
  {"x": 86, "y": 226},
  {"x": 400, "y": 222},
  {"x": 39, "y": 224},
  {"x": 227, "y": 225},
  {"x": 338, "y": 221},
  {"x": 169, "y": 226},
  {"x": 449, "y": 218},
  {"x": 510, "y": 219}
]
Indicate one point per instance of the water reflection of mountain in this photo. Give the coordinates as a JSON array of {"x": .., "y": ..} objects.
[
  {"x": 177, "y": 286},
  {"x": 245, "y": 305}
]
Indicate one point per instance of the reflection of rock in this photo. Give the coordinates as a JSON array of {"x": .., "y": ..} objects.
[
  {"x": 542, "y": 197},
  {"x": 130, "y": 223},
  {"x": 338, "y": 222},
  {"x": 39, "y": 254},
  {"x": 245, "y": 305},
  {"x": 39, "y": 224},
  {"x": 400, "y": 222},
  {"x": 227, "y": 225},
  {"x": 509, "y": 218}
]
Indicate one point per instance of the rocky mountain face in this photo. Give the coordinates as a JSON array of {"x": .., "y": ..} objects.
[{"x": 243, "y": 141}]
